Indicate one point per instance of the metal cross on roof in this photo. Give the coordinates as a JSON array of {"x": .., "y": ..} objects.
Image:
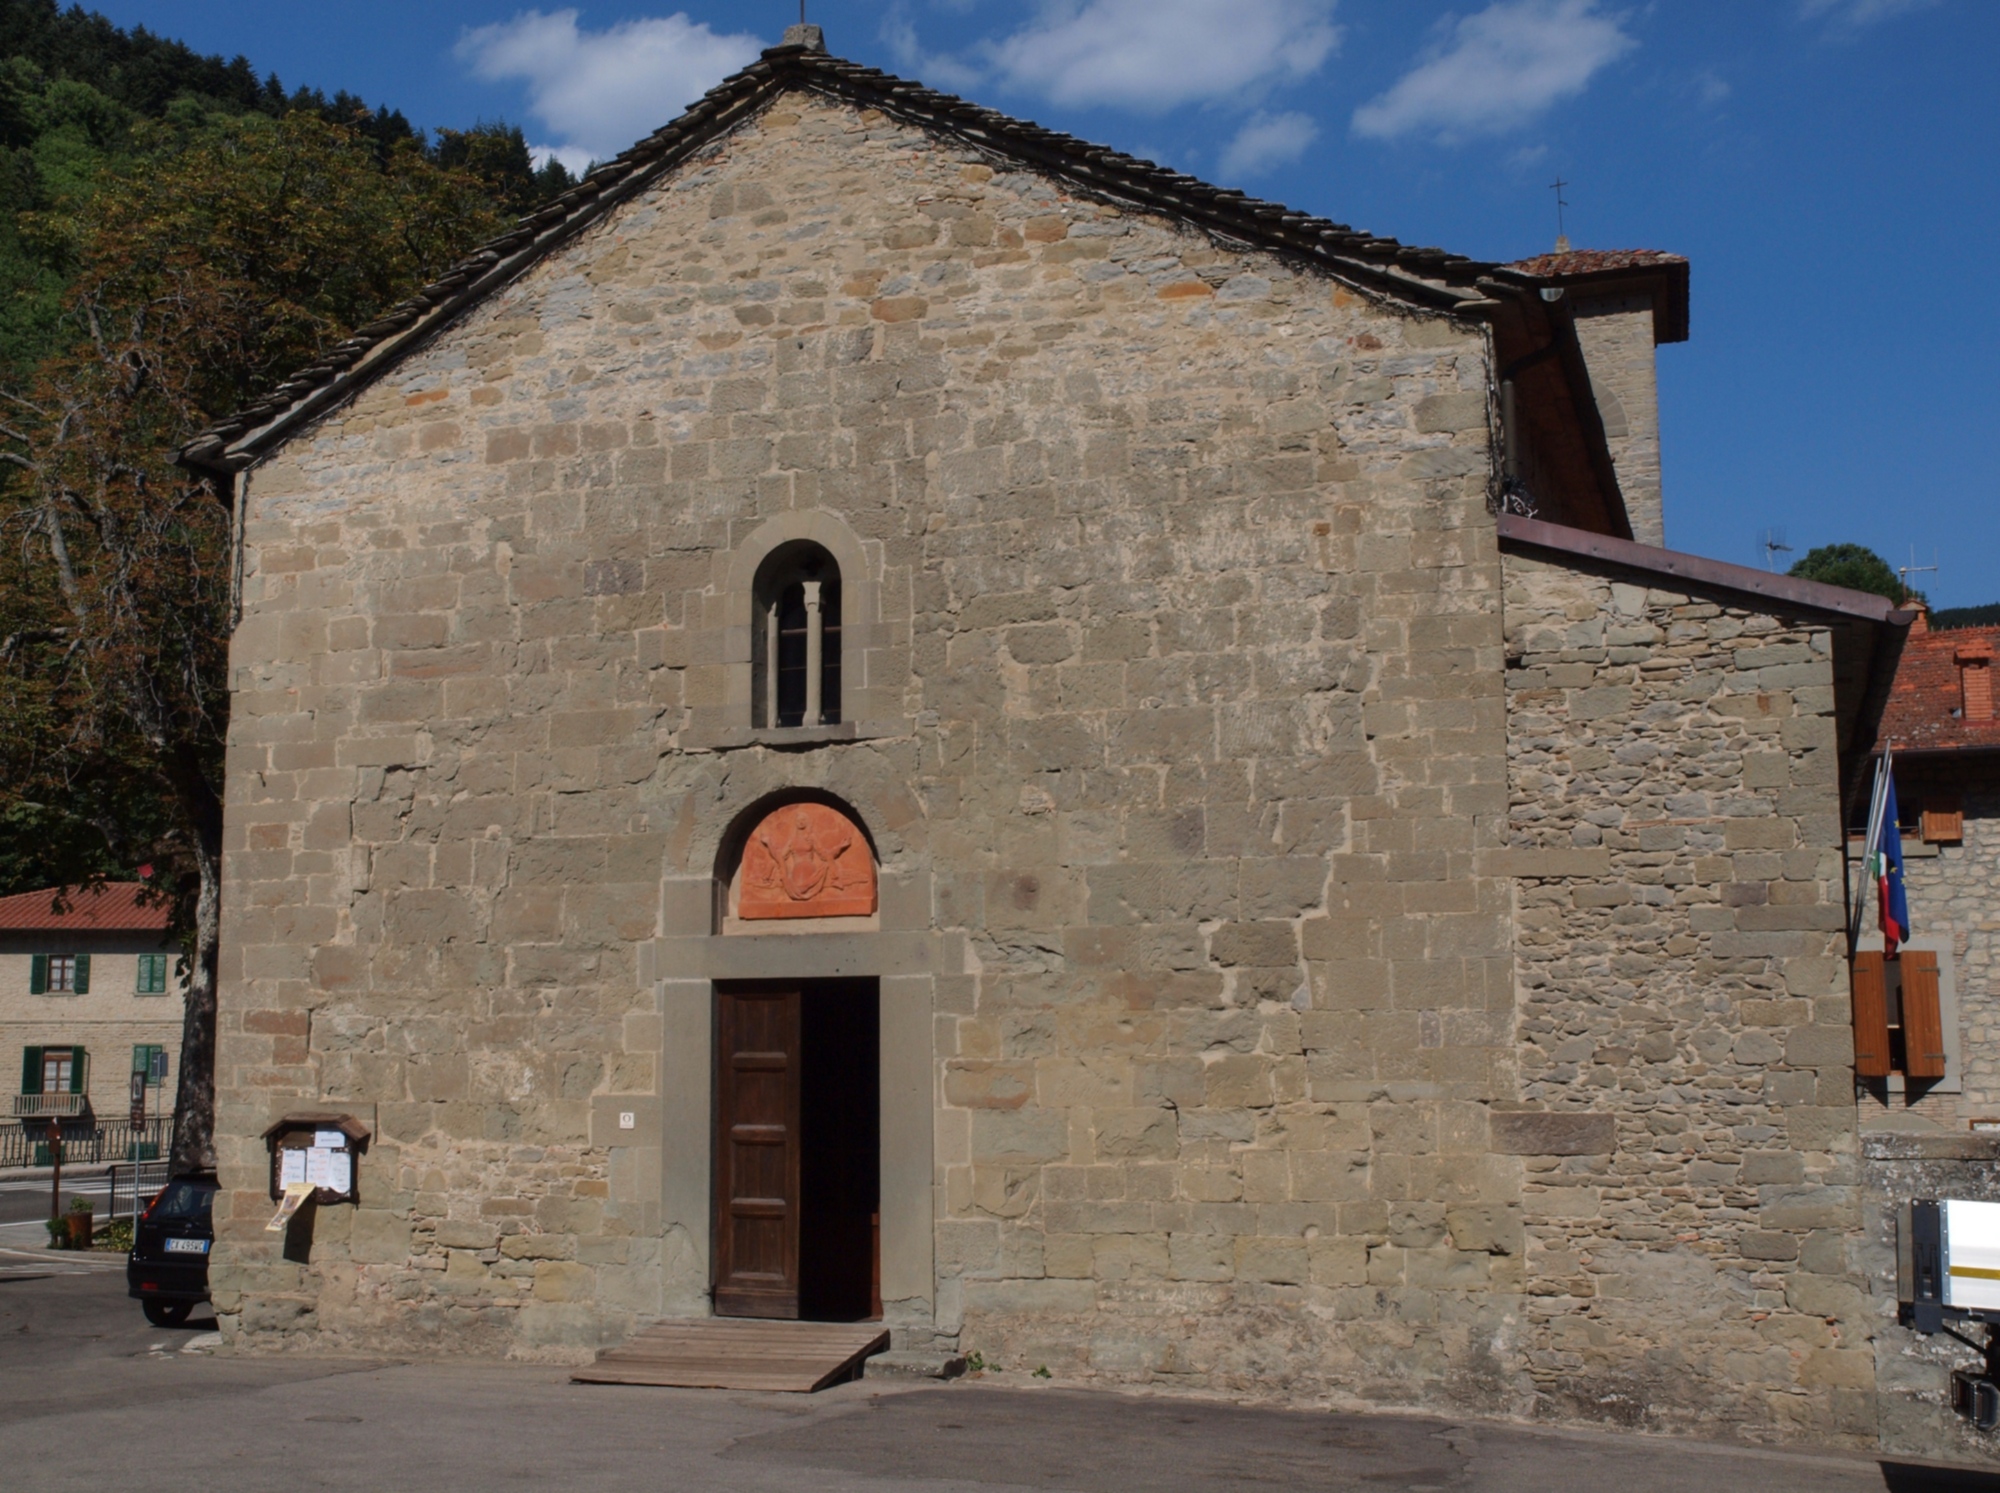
[{"x": 1562, "y": 233}]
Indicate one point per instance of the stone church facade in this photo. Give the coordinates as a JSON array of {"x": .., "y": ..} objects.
[{"x": 1164, "y": 720}]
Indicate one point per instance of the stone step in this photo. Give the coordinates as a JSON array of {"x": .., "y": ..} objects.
[{"x": 914, "y": 1364}]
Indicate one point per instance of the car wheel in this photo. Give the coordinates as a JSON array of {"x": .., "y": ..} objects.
[{"x": 167, "y": 1313}]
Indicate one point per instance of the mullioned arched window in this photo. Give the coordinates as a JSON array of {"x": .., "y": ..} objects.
[{"x": 795, "y": 638}]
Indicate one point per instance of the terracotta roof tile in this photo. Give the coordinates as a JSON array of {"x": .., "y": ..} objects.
[
  {"x": 1595, "y": 262},
  {"x": 111, "y": 908},
  {"x": 1924, "y": 700}
]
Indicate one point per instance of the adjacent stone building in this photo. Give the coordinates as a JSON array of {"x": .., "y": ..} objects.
[
  {"x": 884, "y": 711},
  {"x": 1938, "y": 1136}
]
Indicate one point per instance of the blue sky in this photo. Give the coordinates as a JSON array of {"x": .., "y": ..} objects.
[{"x": 1828, "y": 165}]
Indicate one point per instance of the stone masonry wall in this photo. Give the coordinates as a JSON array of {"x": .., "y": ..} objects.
[
  {"x": 1617, "y": 341},
  {"x": 1913, "y": 1371},
  {"x": 1954, "y": 893},
  {"x": 1672, "y": 810},
  {"x": 1194, "y": 737}
]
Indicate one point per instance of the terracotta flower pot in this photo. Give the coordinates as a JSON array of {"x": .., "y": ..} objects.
[{"x": 79, "y": 1229}]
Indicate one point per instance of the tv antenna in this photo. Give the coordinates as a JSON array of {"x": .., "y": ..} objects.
[
  {"x": 1772, "y": 542},
  {"x": 1904, "y": 572}
]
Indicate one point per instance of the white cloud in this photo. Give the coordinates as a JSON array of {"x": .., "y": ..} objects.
[
  {"x": 599, "y": 91},
  {"x": 938, "y": 69},
  {"x": 1268, "y": 140},
  {"x": 1860, "y": 12},
  {"x": 1498, "y": 69},
  {"x": 576, "y": 160},
  {"x": 1154, "y": 55}
]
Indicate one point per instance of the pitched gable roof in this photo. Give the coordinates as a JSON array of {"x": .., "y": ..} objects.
[
  {"x": 1431, "y": 278},
  {"x": 113, "y": 907}
]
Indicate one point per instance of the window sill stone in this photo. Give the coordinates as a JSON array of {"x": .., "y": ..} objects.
[{"x": 734, "y": 738}]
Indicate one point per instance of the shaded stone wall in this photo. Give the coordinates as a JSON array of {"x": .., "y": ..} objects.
[
  {"x": 1672, "y": 813},
  {"x": 1617, "y": 341},
  {"x": 1183, "y": 736},
  {"x": 1954, "y": 895}
]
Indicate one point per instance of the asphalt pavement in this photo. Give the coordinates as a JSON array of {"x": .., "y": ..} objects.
[{"x": 91, "y": 1397}]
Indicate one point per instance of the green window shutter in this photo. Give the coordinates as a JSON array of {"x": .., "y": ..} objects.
[
  {"x": 153, "y": 969},
  {"x": 38, "y": 976},
  {"x": 139, "y": 1053},
  {"x": 76, "y": 1070},
  {"x": 31, "y": 1070},
  {"x": 83, "y": 974}
]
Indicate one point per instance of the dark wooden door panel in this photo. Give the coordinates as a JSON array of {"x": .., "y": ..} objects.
[{"x": 757, "y": 1152}]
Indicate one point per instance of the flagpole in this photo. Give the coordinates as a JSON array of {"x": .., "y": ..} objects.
[{"x": 1871, "y": 843}]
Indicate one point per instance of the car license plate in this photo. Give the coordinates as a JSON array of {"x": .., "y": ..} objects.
[{"x": 187, "y": 1246}]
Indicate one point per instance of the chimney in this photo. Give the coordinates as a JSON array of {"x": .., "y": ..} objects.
[
  {"x": 1975, "y": 680},
  {"x": 1616, "y": 333},
  {"x": 1624, "y": 303}
]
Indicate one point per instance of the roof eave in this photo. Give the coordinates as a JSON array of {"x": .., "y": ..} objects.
[
  {"x": 1790, "y": 592},
  {"x": 1666, "y": 284}
]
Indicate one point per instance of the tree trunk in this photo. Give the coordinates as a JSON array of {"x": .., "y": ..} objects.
[{"x": 194, "y": 1099}]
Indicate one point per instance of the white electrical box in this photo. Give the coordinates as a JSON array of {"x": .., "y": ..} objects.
[{"x": 1969, "y": 1242}]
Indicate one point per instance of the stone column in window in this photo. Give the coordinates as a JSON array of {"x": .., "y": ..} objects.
[
  {"x": 771, "y": 662},
  {"x": 815, "y": 644}
]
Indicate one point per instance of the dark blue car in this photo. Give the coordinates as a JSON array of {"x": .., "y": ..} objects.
[{"x": 168, "y": 1267}]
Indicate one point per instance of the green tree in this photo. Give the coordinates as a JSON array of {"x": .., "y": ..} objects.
[
  {"x": 217, "y": 260},
  {"x": 498, "y": 155},
  {"x": 1854, "y": 566}
]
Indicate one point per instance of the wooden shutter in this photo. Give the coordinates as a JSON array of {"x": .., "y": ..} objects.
[
  {"x": 1943, "y": 821},
  {"x": 1923, "y": 1016},
  {"x": 1871, "y": 1016},
  {"x": 756, "y": 1244},
  {"x": 31, "y": 1070},
  {"x": 76, "y": 1070},
  {"x": 38, "y": 977},
  {"x": 81, "y": 984}
]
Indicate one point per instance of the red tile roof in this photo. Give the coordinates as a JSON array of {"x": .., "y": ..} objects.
[
  {"x": 1595, "y": 262},
  {"x": 111, "y": 908},
  {"x": 1928, "y": 691}
]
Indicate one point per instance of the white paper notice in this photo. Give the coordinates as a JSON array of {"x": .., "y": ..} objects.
[
  {"x": 294, "y": 1199},
  {"x": 330, "y": 1140},
  {"x": 291, "y": 1167},
  {"x": 332, "y": 1169}
]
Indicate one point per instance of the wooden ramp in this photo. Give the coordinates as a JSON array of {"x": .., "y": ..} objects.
[{"x": 739, "y": 1353}]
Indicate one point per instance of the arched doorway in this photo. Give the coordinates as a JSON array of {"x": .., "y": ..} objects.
[{"x": 797, "y": 1082}]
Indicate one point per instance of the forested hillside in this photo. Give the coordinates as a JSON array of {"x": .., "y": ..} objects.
[{"x": 81, "y": 100}]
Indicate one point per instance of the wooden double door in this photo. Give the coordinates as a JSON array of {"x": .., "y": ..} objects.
[{"x": 797, "y": 1150}]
